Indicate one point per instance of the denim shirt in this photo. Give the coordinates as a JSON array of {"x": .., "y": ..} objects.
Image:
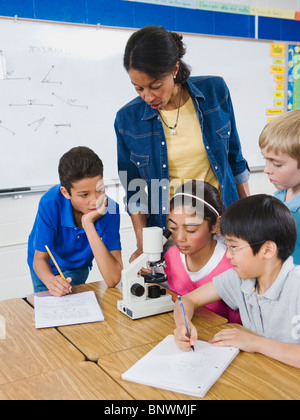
[{"x": 143, "y": 156}]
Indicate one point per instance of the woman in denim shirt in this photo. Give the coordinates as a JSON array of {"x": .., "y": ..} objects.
[{"x": 178, "y": 128}]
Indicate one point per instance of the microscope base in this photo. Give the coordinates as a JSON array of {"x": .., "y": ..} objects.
[{"x": 148, "y": 307}]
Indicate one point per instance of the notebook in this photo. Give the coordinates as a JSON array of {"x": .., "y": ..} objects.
[
  {"x": 79, "y": 308},
  {"x": 191, "y": 373}
]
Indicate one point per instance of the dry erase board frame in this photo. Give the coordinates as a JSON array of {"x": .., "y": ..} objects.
[{"x": 64, "y": 84}]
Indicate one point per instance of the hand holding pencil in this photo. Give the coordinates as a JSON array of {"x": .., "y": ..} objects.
[
  {"x": 60, "y": 286},
  {"x": 185, "y": 334},
  {"x": 185, "y": 320}
]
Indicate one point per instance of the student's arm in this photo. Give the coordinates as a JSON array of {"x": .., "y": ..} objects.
[
  {"x": 200, "y": 297},
  {"x": 243, "y": 189},
  {"x": 56, "y": 285},
  {"x": 248, "y": 341},
  {"x": 139, "y": 221},
  {"x": 109, "y": 262}
]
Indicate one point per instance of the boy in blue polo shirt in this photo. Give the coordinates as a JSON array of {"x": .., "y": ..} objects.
[
  {"x": 78, "y": 222},
  {"x": 264, "y": 283}
]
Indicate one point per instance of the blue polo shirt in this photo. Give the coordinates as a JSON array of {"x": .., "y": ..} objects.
[{"x": 54, "y": 226}]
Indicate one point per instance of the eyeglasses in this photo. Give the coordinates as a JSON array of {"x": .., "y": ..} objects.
[{"x": 233, "y": 249}]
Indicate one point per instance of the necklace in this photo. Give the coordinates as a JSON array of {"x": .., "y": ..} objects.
[{"x": 173, "y": 129}]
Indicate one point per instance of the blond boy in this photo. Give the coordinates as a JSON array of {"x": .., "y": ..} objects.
[{"x": 280, "y": 146}]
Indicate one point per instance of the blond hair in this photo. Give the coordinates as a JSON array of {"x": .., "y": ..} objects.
[{"x": 282, "y": 135}]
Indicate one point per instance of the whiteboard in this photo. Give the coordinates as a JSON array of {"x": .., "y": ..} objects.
[
  {"x": 63, "y": 85},
  {"x": 63, "y": 88},
  {"x": 245, "y": 66}
]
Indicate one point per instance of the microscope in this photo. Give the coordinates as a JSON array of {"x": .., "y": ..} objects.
[{"x": 142, "y": 298}]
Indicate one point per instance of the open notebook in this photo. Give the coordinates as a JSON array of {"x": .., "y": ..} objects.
[
  {"x": 191, "y": 373},
  {"x": 80, "y": 308}
]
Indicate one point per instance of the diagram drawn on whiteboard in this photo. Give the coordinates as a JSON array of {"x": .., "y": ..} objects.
[
  {"x": 31, "y": 102},
  {"x": 47, "y": 79},
  {"x": 70, "y": 102},
  {"x": 61, "y": 126},
  {"x": 7, "y": 129},
  {"x": 8, "y": 75},
  {"x": 37, "y": 124}
]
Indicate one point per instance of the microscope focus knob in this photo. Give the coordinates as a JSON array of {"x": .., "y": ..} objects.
[{"x": 137, "y": 289}]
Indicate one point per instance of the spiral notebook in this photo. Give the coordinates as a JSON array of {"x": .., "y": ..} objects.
[{"x": 191, "y": 373}]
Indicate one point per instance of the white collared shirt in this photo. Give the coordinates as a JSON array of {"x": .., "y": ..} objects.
[
  {"x": 215, "y": 259},
  {"x": 276, "y": 313}
]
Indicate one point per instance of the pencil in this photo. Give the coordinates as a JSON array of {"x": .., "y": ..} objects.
[
  {"x": 55, "y": 263},
  {"x": 184, "y": 318}
]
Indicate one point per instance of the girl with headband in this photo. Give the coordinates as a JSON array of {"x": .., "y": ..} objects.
[{"x": 199, "y": 253}]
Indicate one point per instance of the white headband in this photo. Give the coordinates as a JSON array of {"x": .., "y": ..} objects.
[{"x": 200, "y": 199}]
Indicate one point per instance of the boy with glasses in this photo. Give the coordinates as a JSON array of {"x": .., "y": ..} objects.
[{"x": 264, "y": 283}]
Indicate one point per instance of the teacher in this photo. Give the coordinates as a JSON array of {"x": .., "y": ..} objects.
[{"x": 179, "y": 128}]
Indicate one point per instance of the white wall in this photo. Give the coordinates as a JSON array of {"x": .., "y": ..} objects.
[
  {"x": 260, "y": 184},
  {"x": 17, "y": 214}
]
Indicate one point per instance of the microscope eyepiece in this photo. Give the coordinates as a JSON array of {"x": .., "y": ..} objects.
[{"x": 167, "y": 234}]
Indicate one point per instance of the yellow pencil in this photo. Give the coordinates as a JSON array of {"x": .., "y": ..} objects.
[{"x": 55, "y": 263}]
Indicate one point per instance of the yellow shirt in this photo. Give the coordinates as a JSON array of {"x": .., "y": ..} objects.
[{"x": 187, "y": 156}]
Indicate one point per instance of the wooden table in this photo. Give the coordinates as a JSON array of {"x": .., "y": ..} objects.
[
  {"x": 25, "y": 351},
  {"x": 80, "y": 381},
  {"x": 42, "y": 364},
  {"x": 249, "y": 377},
  {"x": 50, "y": 363},
  {"x": 118, "y": 332}
]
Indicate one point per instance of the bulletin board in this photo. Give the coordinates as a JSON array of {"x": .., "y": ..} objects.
[
  {"x": 62, "y": 85},
  {"x": 294, "y": 77}
]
